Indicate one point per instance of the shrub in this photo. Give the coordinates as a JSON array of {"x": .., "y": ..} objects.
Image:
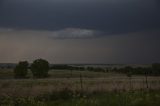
[
  {"x": 40, "y": 68},
  {"x": 21, "y": 69}
]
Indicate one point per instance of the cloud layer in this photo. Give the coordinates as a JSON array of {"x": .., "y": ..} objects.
[
  {"x": 140, "y": 47},
  {"x": 67, "y": 33},
  {"x": 74, "y": 33},
  {"x": 112, "y": 16}
]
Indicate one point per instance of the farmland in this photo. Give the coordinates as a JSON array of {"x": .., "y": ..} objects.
[{"x": 79, "y": 88}]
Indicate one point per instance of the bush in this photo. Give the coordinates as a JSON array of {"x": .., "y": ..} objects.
[
  {"x": 21, "y": 69},
  {"x": 156, "y": 69},
  {"x": 40, "y": 68}
]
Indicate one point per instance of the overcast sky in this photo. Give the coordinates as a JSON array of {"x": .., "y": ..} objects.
[{"x": 80, "y": 31}]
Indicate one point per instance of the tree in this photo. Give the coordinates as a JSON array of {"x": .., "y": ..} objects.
[
  {"x": 21, "y": 69},
  {"x": 40, "y": 68}
]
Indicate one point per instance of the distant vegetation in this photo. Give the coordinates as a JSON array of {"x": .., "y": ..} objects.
[
  {"x": 40, "y": 68},
  {"x": 154, "y": 70},
  {"x": 67, "y": 67},
  {"x": 21, "y": 69}
]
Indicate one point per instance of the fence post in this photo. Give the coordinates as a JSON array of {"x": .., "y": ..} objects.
[{"x": 81, "y": 81}]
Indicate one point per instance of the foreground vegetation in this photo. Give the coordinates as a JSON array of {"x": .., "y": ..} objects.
[{"x": 68, "y": 98}]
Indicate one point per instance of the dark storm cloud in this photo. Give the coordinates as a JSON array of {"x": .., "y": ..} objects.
[{"x": 110, "y": 16}]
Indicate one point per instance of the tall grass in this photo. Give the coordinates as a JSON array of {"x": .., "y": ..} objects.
[{"x": 68, "y": 98}]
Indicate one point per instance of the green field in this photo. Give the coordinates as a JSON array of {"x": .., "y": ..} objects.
[{"x": 67, "y": 88}]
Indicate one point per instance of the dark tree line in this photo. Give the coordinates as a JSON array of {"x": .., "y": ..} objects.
[
  {"x": 39, "y": 69},
  {"x": 97, "y": 69},
  {"x": 154, "y": 70},
  {"x": 67, "y": 67}
]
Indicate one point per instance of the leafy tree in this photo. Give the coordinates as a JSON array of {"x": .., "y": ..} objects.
[
  {"x": 21, "y": 69},
  {"x": 40, "y": 68}
]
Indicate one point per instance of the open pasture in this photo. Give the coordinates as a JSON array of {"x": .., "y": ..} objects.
[{"x": 79, "y": 88}]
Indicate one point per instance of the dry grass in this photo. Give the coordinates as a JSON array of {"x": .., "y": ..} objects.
[
  {"x": 60, "y": 80},
  {"x": 35, "y": 87},
  {"x": 26, "y": 91}
]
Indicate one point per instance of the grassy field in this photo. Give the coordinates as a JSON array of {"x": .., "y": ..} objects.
[
  {"x": 67, "y": 88},
  {"x": 138, "y": 98}
]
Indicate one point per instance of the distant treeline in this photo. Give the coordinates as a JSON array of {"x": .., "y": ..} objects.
[
  {"x": 7, "y": 65},
  {"x": 154, "y": 70},
  {"x": 80, "y": 68},
  {"x": 67, "y": 67}
]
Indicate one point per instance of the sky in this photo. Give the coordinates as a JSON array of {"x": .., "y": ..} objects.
[{"x": 80, "y": 31}]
